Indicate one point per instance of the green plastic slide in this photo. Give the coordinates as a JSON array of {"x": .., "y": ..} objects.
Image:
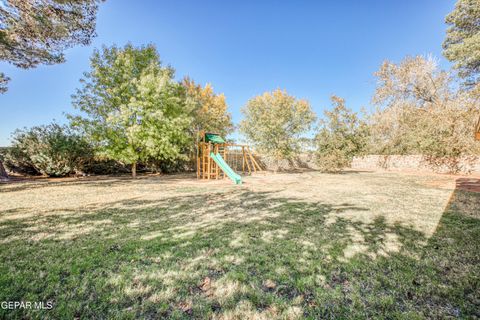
[{"x": 226, "y": 168}]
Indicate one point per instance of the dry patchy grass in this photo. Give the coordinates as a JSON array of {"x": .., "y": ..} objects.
[{"x": 286, "y": 246}]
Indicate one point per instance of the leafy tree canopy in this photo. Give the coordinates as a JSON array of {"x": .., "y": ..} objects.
[
  {"x": 133, "y": 109},
  {"x": 34, "y": 32},
  {"x": 462, "y": 42},
  {"x": 211, "y": 110},
  {"x": 421, "y": 111},
  {"x": 275, "y": 123}
]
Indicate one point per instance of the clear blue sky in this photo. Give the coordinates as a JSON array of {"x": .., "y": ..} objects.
[{"x": 313, "y": 49}]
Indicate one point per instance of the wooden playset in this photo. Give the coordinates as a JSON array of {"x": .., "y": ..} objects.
[{"x": 217, "y": 159}]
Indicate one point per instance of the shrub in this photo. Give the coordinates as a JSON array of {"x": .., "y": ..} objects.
[
  {"x": 51, "y": 150},
  {"x": 102, "y": 166}
]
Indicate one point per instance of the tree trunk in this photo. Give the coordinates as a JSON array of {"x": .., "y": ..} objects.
[
  {"x": 3, "y": 172},
  {"x": 134, "y": 170}
]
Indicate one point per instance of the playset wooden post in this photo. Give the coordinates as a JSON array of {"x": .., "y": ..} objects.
[
  {"x": 477, "y": 130},
  {"x": 243, "y": 159}
]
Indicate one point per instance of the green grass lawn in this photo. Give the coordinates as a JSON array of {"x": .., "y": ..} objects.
[{"x": 285, "y": 246}]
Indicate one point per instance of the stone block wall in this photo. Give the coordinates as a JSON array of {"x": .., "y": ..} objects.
[
  {"x": 303, "y": 161},
  {"x": 465, "y": 165}
]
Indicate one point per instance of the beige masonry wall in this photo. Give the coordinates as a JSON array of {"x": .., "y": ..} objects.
[
  {"x": 303, "y": 161},
  {"x": 418, "y": 162}
]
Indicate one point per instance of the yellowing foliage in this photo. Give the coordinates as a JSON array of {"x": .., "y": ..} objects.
[
  {"x": 211, "y": 110},
  {"x": 276, "y": 122}
]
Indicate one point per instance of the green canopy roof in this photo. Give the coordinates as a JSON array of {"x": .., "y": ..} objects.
[{"x": 213, "y": 138}]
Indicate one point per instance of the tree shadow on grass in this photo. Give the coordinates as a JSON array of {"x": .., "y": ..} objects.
[
  {"x": 452, "y": 255},
  {"x": 15, "y": 185},
  {"x": 242, "y": 255}
]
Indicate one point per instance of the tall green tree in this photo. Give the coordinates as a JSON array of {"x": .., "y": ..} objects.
[
  {"x": 342, "y": 135},
  {"x": 132, "y": 108},
  {"x": 462, "y": 42},
  {"x": 34, "y": 32},
  {"x": 275, "y": 123}
]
